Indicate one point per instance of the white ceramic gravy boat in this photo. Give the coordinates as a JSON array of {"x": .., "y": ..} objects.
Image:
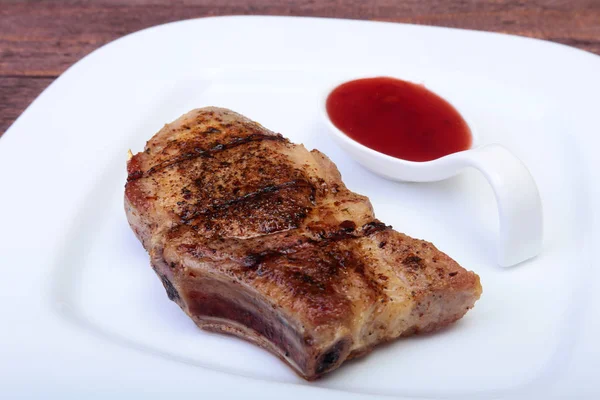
[{"x": 517, "y": 195}]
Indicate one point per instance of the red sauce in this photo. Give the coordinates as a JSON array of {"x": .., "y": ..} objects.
[{"x": 398, "y": 118}]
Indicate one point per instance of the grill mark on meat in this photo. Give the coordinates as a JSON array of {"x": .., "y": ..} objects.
[
  {"x": 309, "y": 274},
  {"x": 346, "y": 229},
  {"x": 211, "y": 130},
  {"x": 253, "y": 260},
  {"x": 197, "y": 152},
  {"x": 375, "y": 226},
  {"x": 285, "y": 210},
  {"x": 349, "y": 261},
  {"x": 413, "y": 261},
  {"x": 296, "y": 184},
  {"x": 316, "y": 271}
]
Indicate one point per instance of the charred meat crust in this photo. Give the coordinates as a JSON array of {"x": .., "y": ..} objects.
[
  {"x": 256, "y": 237},
  {"x": 192, "y": 152}
]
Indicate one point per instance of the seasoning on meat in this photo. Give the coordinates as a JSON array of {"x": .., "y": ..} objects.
[{"x": 258, "y": 237}]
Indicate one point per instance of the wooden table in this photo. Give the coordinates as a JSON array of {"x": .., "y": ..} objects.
[{"x": 40, "y": 39}]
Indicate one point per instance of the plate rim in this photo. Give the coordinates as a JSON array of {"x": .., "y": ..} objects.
[{"x": 15, "y": 137}]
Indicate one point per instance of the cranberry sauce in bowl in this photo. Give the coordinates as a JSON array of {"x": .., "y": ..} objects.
[{"x": 398, "y": 118}]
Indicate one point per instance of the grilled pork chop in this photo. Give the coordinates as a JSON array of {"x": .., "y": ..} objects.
[{"x": 257, "y": 237}]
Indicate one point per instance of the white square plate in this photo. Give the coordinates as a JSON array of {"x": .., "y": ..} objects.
[{"x": 83, "y": 314}]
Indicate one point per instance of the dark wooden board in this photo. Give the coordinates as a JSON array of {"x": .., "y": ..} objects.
[{"x": 40, "y": 39}]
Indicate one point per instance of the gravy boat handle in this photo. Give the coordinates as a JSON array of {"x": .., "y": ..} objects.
[{"x": 519, "y": 203}]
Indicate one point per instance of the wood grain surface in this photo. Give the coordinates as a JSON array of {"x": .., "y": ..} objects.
[{"x": 40, "y": 39}]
